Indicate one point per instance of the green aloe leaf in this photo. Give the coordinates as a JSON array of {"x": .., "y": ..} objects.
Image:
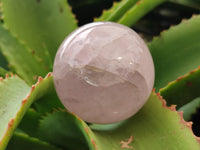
[
  {"x": 171, "y": 47},
  {"x": 182, "y": 90},
  {"x": 68, "y": 131},
  {"x": 42, "y": 24},
  {"x": 141, "y": 8},
  {"x": 155, "y": 121},
  {"x": 49, "y": 101},
  {"x": 116, "y": 11},
  {"x": 15, "y": 99},
  {"x": 13, "y": 93},
  {"x": 128, "y": 12},
  {"x": 26, "y": 64},
  {"x": 190, "y": 108},
  {"x": 21, "y": 141},
  {"x": 30, "y": 122}
]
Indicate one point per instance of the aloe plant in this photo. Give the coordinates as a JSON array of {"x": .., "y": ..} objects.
[{"x": 32, "y": 116}]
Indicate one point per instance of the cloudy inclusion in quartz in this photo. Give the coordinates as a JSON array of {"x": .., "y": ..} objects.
[{"x": 103, "y": 72}]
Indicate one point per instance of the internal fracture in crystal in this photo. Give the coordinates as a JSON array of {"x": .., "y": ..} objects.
[{"x": 103, "y": 72}]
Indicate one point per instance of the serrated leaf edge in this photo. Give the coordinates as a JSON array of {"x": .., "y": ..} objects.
[
  {"x": 180, "y": 113},
  {"x": 88, "y": 134},
  {"x": 23, "y": 42},
  {"x": 183, "y": 21},
  {"x": 12, "y": 124},
  {"x": 178, "y": 79}
]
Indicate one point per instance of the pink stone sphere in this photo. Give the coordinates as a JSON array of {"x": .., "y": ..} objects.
[{"x": 103, "y": 72}]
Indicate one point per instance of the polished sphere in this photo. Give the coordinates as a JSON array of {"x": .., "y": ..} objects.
[{"x": 103, "y": 72}]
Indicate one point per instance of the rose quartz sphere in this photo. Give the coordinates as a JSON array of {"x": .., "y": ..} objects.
[{"x": 103, "y": 72}]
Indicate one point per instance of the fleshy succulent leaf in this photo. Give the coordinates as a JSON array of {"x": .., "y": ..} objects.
[
  {"x": 175, "y": 44},
  {"x": 182, "y": 90},
  {"x": 50, "y": 100},
  {"x": 42, "y": 24},
  {"x": 27, "y": 65},
  {"x": 128, "y": 12},
  {"x": 141, "y": 8},
  {"x": 30, "y": 122},
  {"x": 155, "y": 119},
  {"x": 15, "y": 99},
  {"x": 190, "y": 108},
  {"x": 12, "y": 93},
  {"x": 42, "y": 27},
  {"x": 116, "y": 11},
  {"x": 21, "y": 141},
  {"x": 68, "y": 131}
]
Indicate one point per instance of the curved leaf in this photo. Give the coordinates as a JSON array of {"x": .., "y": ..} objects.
[
  {"x": 49, "y": 101},
  {"x": 25, "y": 63},
  {"x": 15, "y": 99},
  {"x": 30, "y": 122},
  {"x": 190, "y": 108},
  {"x": 182, "y": 90},
  {"x": 116, "y": 11},
  {"x": 128, "y": 12},
  {"x": 21, "y": 141},
  {"x": 42, "y": 24},
  {"x": 141, "y": 8},
  {"x": 12, "y": 93},
  {"x": 176, "y": 51},
  {"x": 154, "y": 121},
  {"x": 68, "y": 131}
]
